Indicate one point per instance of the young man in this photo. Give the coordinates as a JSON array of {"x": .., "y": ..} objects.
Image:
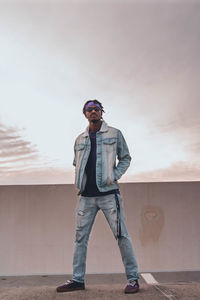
[{"x": 96, "y": 175}]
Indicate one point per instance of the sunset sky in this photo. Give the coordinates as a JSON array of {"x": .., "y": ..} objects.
[{"x": 139, "y": 58}]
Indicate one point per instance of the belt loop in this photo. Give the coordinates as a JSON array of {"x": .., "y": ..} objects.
[{"x": 118, "y": 216}]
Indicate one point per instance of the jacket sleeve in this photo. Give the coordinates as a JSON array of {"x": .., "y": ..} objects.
[
  {"x": 123, "y": 156},
  {"x": 74, "y": 161}
]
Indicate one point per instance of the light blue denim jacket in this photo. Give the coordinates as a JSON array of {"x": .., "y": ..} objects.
[{"x": 110, "y": 145}]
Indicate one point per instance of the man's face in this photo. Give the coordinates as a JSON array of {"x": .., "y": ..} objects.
[{"x": 93, "y": 113}]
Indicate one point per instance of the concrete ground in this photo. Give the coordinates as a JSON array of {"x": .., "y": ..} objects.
[{"x": 170, "y": 285}]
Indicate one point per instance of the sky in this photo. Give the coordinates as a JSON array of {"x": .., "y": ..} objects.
[{"x": 139, "y": 58}]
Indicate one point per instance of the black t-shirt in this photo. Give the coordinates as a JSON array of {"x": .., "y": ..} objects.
[{"x": 91, "y": 189}]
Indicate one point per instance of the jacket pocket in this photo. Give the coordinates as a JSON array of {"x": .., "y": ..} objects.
[
  {"x": 79, "y": 147},
  {"x": 109, "y": 144},
  {"x": 79, "y": 150}
]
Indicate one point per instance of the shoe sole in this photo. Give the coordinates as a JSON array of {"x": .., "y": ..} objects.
[
  {"x": 131, "y": 292},
  {"x": 70, "y": 290}
]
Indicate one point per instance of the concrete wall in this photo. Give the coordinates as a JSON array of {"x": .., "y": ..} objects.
[{"x": 37, "y": 226}]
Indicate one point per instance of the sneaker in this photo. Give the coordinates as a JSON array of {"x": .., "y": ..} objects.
[
  {"x": 70, "y": 286},
  {"x": 132, "y": 287}
]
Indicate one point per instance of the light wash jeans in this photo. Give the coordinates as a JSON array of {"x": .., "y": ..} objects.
[{"x": 86, "y": 213}]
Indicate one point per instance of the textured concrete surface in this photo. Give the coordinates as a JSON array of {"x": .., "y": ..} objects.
[{"x": 173, "y": 286}]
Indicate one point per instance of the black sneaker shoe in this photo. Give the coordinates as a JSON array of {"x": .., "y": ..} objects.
[
  {"x": 70, "y": 286},
  {"x": 132, "y": 287}
]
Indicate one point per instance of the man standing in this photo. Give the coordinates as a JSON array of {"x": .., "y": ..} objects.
[{"x": 96, "y": 175}]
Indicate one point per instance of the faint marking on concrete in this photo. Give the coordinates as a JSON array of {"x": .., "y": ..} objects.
[
  {"x": 168, "y": 296},
  {"x": 148, "y": 277},
  {"x": 152, "y": 222}
]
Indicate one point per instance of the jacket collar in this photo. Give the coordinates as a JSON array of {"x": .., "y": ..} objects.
[{"x": 104, "y": 128}]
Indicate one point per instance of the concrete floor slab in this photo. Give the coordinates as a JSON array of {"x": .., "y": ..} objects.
[
  {"x": 92, "y": 292},
  {"x": 173, "y": 286},
  {"x": 167, "y": 277}
]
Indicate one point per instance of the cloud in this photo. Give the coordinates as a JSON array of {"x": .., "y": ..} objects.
[
  {"x": 180, "y": 171},
  {"x": 19, "y": 159},
  {"x": 184, "y": 130},
  {"x": 22, "y": 163},
  {"x": 14, "y": 148},
  {"x": 141, "y": 57},
  {"x": 36, "y": 175},
  {"x": 17, "y": 155}
]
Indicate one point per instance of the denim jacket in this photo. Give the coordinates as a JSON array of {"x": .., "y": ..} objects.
[{"x": 110, "y": 145}]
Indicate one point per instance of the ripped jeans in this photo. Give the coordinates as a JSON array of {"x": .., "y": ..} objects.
[{"x": 86, "y": 213}]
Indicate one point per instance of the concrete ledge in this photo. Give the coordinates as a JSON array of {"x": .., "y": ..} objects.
[{"x": 38, "y": 227}]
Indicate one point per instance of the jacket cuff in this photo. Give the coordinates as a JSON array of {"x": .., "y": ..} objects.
[{"x": 117, "y": 174}]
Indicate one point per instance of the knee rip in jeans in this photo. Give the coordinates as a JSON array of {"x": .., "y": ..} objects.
[
  {"x": 113, "y": 211},
  {"x": 124, "y": 235},
  {"x": 80, "y": 215},
  {"x": 81, "y": 233},
  {"x": 113, "y": 216},
  {"x": 79, "y": 236}
]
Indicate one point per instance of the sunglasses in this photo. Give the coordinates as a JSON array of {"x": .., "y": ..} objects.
[{"x": 93, "y": 108}]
